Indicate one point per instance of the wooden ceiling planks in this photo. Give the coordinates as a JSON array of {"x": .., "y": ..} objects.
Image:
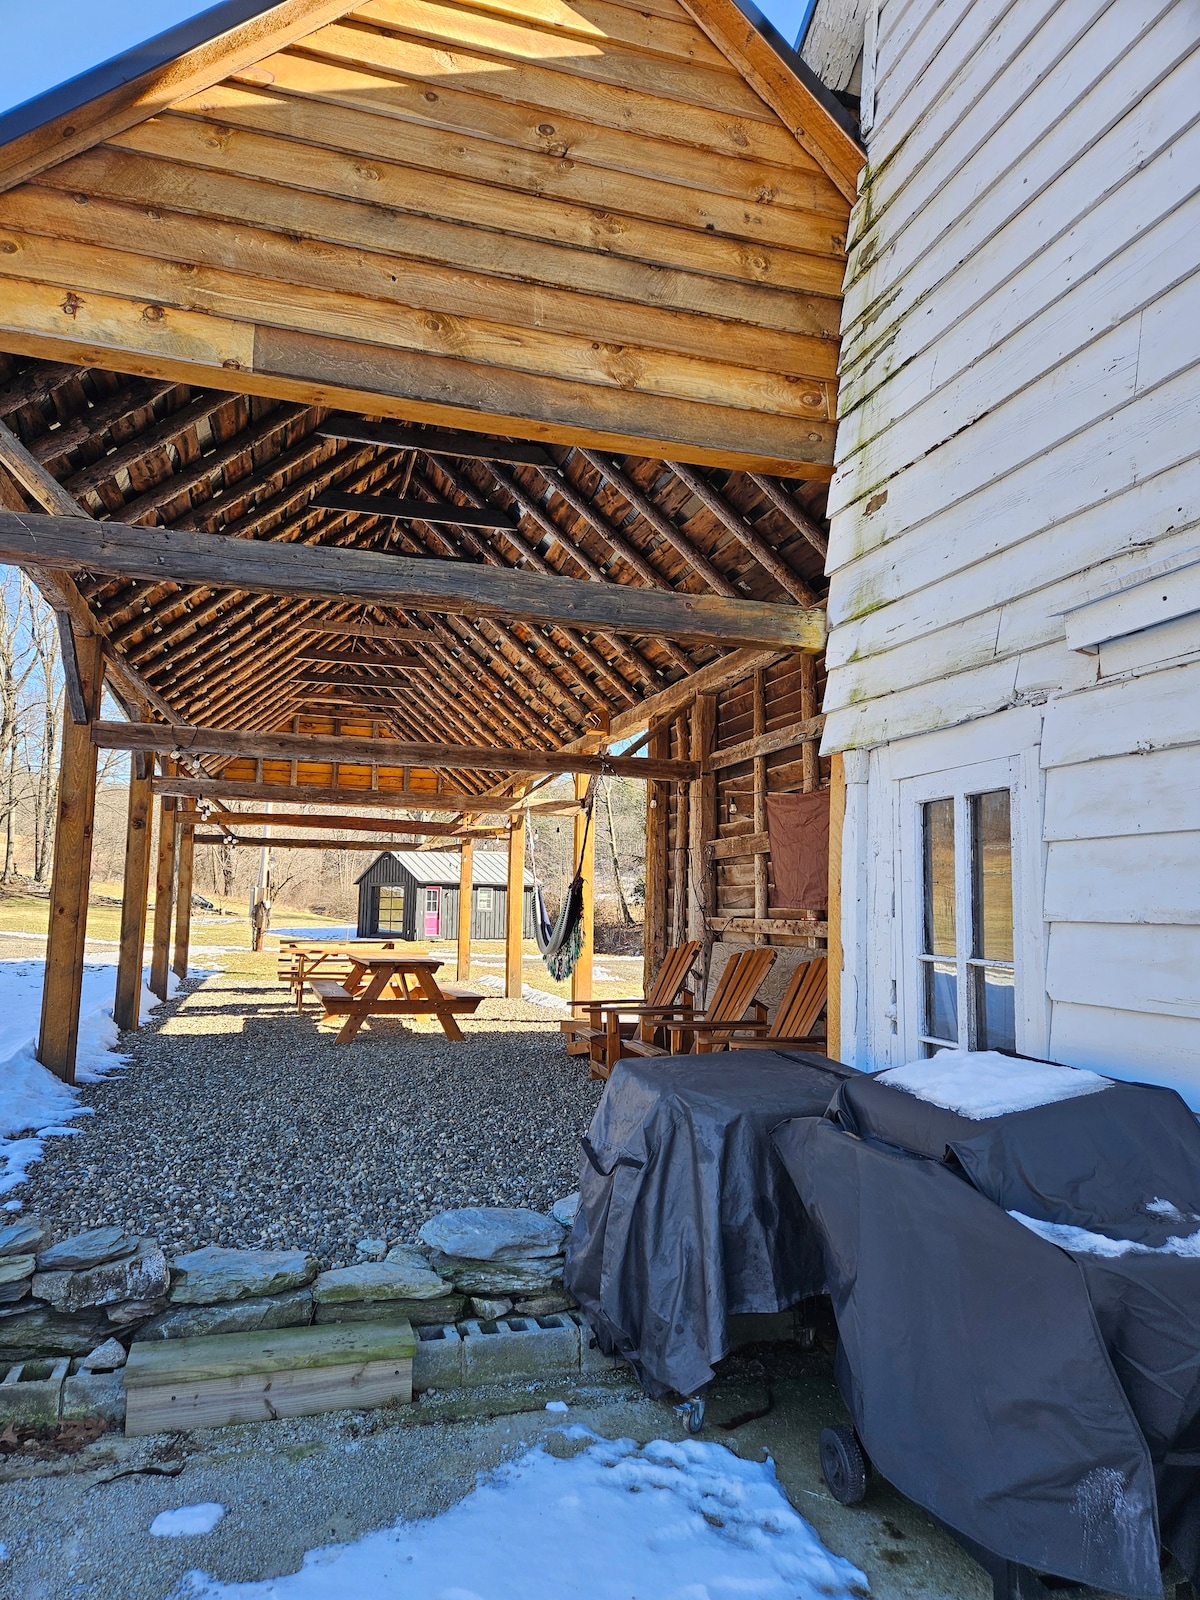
[{"x": 570, "y": 222}]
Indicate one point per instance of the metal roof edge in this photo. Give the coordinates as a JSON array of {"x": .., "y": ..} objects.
[{"x": 77, "y": 92}]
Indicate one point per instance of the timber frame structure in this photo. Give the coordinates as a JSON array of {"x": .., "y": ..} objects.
[{"x": 404, "y": 402}]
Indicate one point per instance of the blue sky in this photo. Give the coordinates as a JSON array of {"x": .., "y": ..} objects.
[{"x": 49, "y": 41}]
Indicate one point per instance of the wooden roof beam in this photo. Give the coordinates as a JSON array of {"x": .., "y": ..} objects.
[
  {"x": 421, "y": 829},
  {"x": 770, "y": 561},
  {"x": 793, "y": 511},
  {"x": 382, "y": 505},
  {"x": 321, "y": 794},
  {"x": 395, "y": 752},
  {"x": 660, "y": 522},
  {"x": 434, "y": 442},
  {"x": 291, "y": 842}
]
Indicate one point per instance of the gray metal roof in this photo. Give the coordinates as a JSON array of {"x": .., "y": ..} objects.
[{"x": 441, "y": 867}]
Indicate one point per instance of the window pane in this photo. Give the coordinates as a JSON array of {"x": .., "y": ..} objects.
[
  {"x": 938, "y": 848},
  {"x": 991, "y": 871},
  {"x": 391, "y": 910},
  {"x": 941, "y": 1000},
  {"x": 995, "y": 1009}
]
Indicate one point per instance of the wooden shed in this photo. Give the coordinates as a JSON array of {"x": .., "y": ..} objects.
[
  {"x": 407, "y": 401},
  {"x": 415, "y": 894}
]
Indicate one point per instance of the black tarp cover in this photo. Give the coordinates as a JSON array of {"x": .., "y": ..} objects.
[
  {"x": 1034, "y": 1398},
  {"x": 686, "y": 1214}
]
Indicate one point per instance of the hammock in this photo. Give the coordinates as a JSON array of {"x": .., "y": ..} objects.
[{"x": 560, "y": 942}]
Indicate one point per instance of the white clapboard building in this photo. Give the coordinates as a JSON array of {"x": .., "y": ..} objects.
[{"x": 1014, "y": 661}]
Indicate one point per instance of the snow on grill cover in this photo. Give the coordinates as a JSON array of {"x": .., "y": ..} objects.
[
  {"x": 686, "y": 1215},
  {"x": 1018, "y": 1297}
]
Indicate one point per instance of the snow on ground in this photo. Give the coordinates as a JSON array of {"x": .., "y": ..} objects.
[
  {"x": 984, "y": 1083},
  {"x": 186, "y": 1522},
  {"x": 1084, "y": 1242},
  {"x": 33, "y": 1102},
  {"x": 536, "y": 997},
  {"x": 686, "y": 1521}
]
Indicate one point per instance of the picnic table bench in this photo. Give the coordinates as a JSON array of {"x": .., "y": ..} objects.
[
  {"x": 390, "y": 985},
  {"x": 299, "y": 959}
]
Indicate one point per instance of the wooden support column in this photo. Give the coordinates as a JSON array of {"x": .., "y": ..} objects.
[
  {"x": 658, "y": 841},
  {"x": 837, "y": 820},
  {"x": 164, "y": 894},
  {"x": 585, "y": 846},
  {"x": 184, "y": 850},
  {"x": 759, "y": 766},
  {"x": 58, "y": 1035},
  {"x": 514, "y": 911},
  {"x": 702, "y": 831},
  {"x": 466, "y": 907},
  {"x": 810, "y": 749},
  {"x": 679, "y": 848},
  {"x": 134, "y": 894}
]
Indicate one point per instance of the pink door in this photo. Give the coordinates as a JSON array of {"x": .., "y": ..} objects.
[{"x": 433, "y": 913}]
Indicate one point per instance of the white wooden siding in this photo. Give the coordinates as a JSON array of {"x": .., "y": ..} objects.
[{"x": 1019, "y": 399}]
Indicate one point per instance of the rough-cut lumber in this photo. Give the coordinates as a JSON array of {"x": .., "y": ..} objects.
[
  {"x": 514, "y": 912},
  {"x": 134, "y": 892},
  {"x": 152, "y": 554},
  {"x": 467, "y": 446},
  {"x": 658, "y": 840},
  {"x": 331, "y": 747},
  {"x": 389, "y": 825},
  {"x": 702, "y": 825},
  {"x": 741, "y": 845},
  {"x": 370, "y": 630},
  {"x": 384, "y": 505},
  {"x": 164, "y": 898},
  {"x": 466, "y": 909},
  {"x": 185, "y": 854},
  {"x": 584, "y": 857},
  {"x": 58, "y": 1035},
  {"x": 319, "y": 794},
  {"x": 766, "y": 744},
  {"x": 296, "y": 842}
]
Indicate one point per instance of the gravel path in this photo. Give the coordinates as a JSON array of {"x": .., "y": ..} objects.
[{"x": 241, "y": 1123}]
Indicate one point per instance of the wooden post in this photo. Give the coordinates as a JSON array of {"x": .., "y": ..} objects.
[
  {"x": 466, "y": 908},
  {"x": 679, "y": 802},
  {"x": 702, "y": 832},
  {"x": 184, "y": 850},
  {"x": 164, "y": 893},
  {"x": 658, "y": 826},
  {"x": 759, "y": 767},
  {"x": 514, "y": 913},
  {"x": 809, "y": 750},
  {"x": 134, "y": 894},
  {"x": 58, "y": 1035},
  {"x": 581, "y": 977},
  {"x": 837, "y": 818}
]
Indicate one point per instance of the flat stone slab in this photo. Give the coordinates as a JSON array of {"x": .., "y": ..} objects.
[
  {"x": 14, "y": 1268},
  {"x": 213, "y": 1275},
  {"x": 380, "y": 1280},
  {"x": 514, "y": 1279},
  {"x": 22, "y": 1238},
  {"x": 493, "y": 1233},
  {"x": 291, "y": 1310},
  {"x": 106, "y": 1357},
  {"x": 31, "y": 1330},
  {"x": 144, "y": 1276},
  {"x": 84, "y": 1250}
]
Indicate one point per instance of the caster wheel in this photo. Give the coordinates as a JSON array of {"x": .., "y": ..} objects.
[
  {"x": 807, "y": 1340},
  {"x": 843, "y": 1465},
  {"x": 692, "y": 1412}
]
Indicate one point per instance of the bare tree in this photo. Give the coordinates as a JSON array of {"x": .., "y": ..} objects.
[{"x": 47, "y": 715}]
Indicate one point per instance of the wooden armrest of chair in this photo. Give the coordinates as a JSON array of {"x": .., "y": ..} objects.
[{"x": 601, "y": 1005}]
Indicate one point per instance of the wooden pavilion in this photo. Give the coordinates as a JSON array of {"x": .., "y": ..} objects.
[{"x": 406, "y": 401}]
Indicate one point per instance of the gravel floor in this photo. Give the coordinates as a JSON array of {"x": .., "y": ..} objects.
[{"x": 241, "y": 1123}]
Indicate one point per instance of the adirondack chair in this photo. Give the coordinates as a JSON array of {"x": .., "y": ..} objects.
[
  {"x": 733, "y": 996},
  {"x": 792, "y": 1026},
  {"x": 589, "y": 1034}
]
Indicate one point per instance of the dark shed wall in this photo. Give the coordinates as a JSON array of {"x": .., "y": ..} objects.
[{"x": 486, "y": 924}]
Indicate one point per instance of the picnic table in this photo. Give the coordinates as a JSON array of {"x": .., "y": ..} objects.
[
  {"x": 393, "y": 984},
  {"x": 300, "y": 958}
]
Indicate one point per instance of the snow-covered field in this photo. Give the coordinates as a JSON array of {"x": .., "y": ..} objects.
[
  {"x": 662, "y": 1521},
  {"x": 34, "y": 1104}
]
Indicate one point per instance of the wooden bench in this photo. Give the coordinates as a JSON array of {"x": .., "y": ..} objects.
[{"x": 390, "y": 986}]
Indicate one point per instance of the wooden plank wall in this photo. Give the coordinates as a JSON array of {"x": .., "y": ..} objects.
[{"x": 534, "y": 211}]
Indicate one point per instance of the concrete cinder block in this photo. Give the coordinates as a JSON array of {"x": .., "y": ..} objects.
[
  {"x": 763, "y": 1327},
  {"x": 519, "y": 1347},
  {"x": 100, "y": 1395},
  {"x": 32, "y": 1391},
  {"x": 593, "y": 1363},
  {"x": 438, "y": 1359}
]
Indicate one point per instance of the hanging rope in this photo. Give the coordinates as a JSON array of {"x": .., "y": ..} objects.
[{"x": 561, "y": 942}]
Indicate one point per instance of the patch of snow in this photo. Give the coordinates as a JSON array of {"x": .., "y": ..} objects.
[
  {"x": 1084, "y": 1242},
  {"x": 661, "y": 1522},
  {"x": 559, "y": 1406},
  {"x": 1164, "y": 1208},
  {"x": 187, "y": 1522},
  {"x": 536, "y": 997},
  {"x": 33, "y": 1102},
  {"x": 983, "y": 1083}
]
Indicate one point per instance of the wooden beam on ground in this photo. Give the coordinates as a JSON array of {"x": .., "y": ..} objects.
[
  {"x": 268, "y": 566},
  {"x": 385, "y": 505},
  {"x": 514, "y": 912},
  {"x": 58, "y": 1035},
  {"x": 466, "y": 909},
  {"x": 134, "y": 893},
  {"x": 468, "y": 446},
  {"x": 315, "y": 794},
  {"x": 185, "y": 853},
  {"x": 584, "y": 857},
  {"x": 151, "y": 736},
  {"x": 164, "y": 895}
]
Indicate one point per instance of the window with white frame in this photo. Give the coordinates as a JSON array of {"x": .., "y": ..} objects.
[
  {"x": 484, "y": 900},
  {"x": 966, "y": 961}
]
